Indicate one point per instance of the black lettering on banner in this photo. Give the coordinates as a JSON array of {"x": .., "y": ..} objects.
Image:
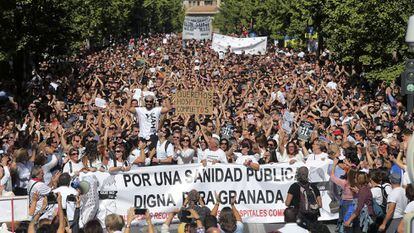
[
  {"x": 167, "y": 178},
  {"x": 244, "y": 196},
  {"x": 268, "y": 174},
  {"x": 154, "y": 200},
  {"x": 137, "y": 179}
]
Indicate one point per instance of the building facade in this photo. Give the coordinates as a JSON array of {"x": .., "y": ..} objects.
[{"x": 201, "y": 7}]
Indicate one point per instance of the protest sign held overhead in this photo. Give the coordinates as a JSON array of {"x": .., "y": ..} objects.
[
  {"x": 198, "y": 28},
  {"x": 305, "y": 130},
  {"x": 193, "y": 102},
  {"x": 255, "y": 46}
]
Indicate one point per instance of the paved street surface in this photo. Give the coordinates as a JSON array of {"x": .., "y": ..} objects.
[{"x": 249, "y": 228}]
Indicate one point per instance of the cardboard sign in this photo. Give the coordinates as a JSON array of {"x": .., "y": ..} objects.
[
  {"x": 20, "y": 208},
  {"x": 193, "y": 102}
]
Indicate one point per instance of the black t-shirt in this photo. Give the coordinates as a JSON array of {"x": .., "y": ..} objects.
[{"x": 294, "y": 189}]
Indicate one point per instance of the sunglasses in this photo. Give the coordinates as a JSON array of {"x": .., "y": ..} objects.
[
  {"x": 118, "y": 151},
  {"x": 186, "y": 140},
  {"x": 270, "y": 144},
  {"x": 111, "y": 128},
  {"x": 74, "y": 154}
]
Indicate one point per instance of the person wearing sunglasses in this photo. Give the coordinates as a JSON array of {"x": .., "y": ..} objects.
[
  {"x": 245, "y": 158},
  {"x": 165, "y": 149},
  {"x": 185, "y": 153},
  {"x": 149, "y": 117},
  {"x": 73, "y": 166},
  {"x": 119, "y": 162}
]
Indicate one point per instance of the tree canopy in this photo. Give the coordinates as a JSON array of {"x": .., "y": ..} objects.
[
  {"x": 35, "y": 28},
  {"x": 368, "y": 35}
]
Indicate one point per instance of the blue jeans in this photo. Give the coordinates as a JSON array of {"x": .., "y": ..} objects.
[{"x": 346, "y": 208}]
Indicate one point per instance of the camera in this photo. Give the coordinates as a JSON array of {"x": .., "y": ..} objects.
[
  {"x": 51, "y": 198},
  {"x": 183, "y": 216},
  {"x": 71, "y": 198},
  {"x": 138, "y": 211}
]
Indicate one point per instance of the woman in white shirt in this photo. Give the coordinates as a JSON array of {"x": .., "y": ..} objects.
[
  {"x": 291, "y": 154},
  {"x": 243, "y": 157},
  {"x": 202, "y": 147},
  {"x": 120, "y": 163},
  {"x": 24, "y": 166},
  {"x": 184, "y": 153},
  {"x": 73, "y": 166}
]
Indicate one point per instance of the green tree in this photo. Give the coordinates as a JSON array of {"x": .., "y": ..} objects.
[
  {"x": 367, "y": 34},
  {"x": 34, "y": 29}
]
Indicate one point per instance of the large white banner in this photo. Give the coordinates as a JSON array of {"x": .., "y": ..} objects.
[
  {"x": 198, "y": 28},
  {"x": 255, "y": 45},
  {"x": 260, "y": 194},
  {"x": 14, "y": 208}
]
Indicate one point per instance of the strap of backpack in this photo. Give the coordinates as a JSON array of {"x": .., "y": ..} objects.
[
  {"x": 70, "y": 167},
  {"x": 114, "y": 160},
  {"x": 167, "y": 143},
  {"x": 32, "y": 187}
]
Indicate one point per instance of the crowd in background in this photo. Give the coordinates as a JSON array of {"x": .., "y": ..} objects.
[{"x": 261, "y": 103}]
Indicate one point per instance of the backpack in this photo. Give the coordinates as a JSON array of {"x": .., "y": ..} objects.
[
  {"x": 380, "y": 210},
  {"x": 308, "y": 204}
]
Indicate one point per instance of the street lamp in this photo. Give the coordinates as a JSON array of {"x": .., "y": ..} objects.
[{"x": 409, "y": 38}]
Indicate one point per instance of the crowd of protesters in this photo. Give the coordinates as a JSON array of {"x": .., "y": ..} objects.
[{"x": 260, "y": 105}]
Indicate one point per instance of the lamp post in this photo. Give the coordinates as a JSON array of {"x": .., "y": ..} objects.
[
  {"x": 409, "y": 38},
  {"x": 407, "y": 79}
]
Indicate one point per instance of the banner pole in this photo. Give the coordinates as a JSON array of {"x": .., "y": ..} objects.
[{"x": 12, "y": 214}]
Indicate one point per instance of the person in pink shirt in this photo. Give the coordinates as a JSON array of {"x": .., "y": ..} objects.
[{"x": 346, "y": 205}]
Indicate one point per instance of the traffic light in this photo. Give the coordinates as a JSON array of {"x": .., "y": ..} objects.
[{"x": 407, "y": 78}]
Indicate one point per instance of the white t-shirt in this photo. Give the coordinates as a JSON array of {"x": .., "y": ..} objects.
[
  {"x": 184, "y": 156},
  {"x": 218, "y": 155},
  {"x": 317, "y": 157},
  {"x": 242, "y": 158},
  {"x": 406, "y": 179},
  {"x": 331, "y": 85},
  {"x": 72, "y": 167},
  {"x": 136, "y": 153},
  {"x": 23, "y": 170},
  {"x": 162, "y": 153},
  {"x": 398, "y": 197},
  {"x": 65, "y": 191},
  {"x": 377, "y": 194},
  {"x": 6, "y": 180},
  {"x": 409, "y": 208},
  {"x": 148, "y": 121},
  {"x": 41, "y": 188},
  {"x": 118, "y": 164},
  {"x": 292, "y": 227}
]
